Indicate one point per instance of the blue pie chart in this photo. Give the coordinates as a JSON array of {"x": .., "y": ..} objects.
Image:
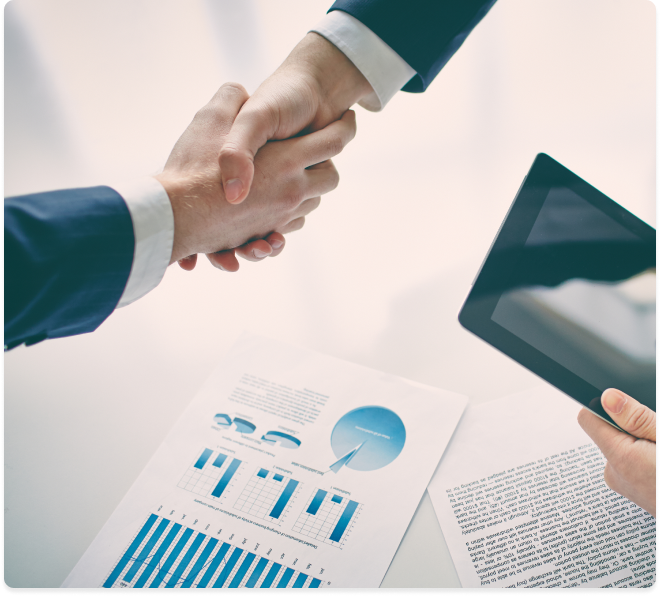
[{"x": 367, "y": 439}]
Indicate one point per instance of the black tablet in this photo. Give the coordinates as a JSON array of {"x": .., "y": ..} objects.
[{"x": 568, "y": 289}]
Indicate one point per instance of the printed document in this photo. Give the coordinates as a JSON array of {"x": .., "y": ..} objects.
[
  {"x": 288, "y": 469},
  {"x": 522, "y": 502}
]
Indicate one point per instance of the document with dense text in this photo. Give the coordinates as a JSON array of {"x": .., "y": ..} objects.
[
  {"x": 288, "y": 469},
  {"x": 522, "y": 502}
]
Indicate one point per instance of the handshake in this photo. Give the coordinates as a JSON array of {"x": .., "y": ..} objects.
[{"x": 249, "y": 169}]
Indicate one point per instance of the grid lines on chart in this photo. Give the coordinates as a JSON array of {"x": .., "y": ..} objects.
[
  {"x": 267, "y": 495},
  {"x": 211, "y": 474},
  {"x": 328, "y": 518},
  {"x": 166, "y": 554}
]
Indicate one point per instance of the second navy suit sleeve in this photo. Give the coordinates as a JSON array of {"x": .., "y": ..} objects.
[
  {"x": 68, "y": 256},
  {"x": 425, "y": 33}
]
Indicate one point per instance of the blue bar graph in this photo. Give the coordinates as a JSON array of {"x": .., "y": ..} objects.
[
  {"x": 213, "y": 566},
  {"x": 227, "y": 569},
  {"x": 161, "y": 575},
  {"x": 201, "y": 462},
  {"x": 226, "y": 478},
  {"x": 144, "y": 553},
  {"x": 256, "y": 574},
  {"x": 180, "y": 546},
  {"x": 242, "y": 570},
  {"x": 155, "y": 560},
  {"x": 219, "y": 460},
  {"x": 272, "y": 574},
  {"x": 130, "y": 551},
  {"x": 336, "y": 499},
  {"x": 199, "y": 564},
  {"x": 316, "y": 501},
  {"x": 185, "y": 561},
  {"x": 343, "y": 522},
  {"x": 300, "y": 580},
  {"x": 262, "y": 473},
  {"x": 286, "y": 576},
  {"x": 284, "y": 498},
  {"x": 278, "y": 478}
]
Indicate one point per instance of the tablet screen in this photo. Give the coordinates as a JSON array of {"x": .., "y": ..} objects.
[{"x": 583, "y": 294}]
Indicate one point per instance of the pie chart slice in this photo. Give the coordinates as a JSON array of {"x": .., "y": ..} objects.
[
  {"x": 222, "y": 420},
  {"x": 367, "y": 439},
  {"x": 287, "y": 441},
  {"x": 243, "y": 426}
]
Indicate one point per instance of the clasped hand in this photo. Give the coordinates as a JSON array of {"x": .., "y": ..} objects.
[{"x": 289, "y": 178}]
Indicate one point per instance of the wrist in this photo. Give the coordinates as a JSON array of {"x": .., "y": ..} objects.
[
  {"x": 187, "y": 216},
  {"x": 339, "y": 83}
]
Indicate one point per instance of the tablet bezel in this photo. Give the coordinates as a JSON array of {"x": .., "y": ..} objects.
[{"x": 476, "y": 313}]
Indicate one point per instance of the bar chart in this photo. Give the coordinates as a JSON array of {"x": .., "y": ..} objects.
[
  {"x": 212, "y": 474},
  {"x": 164, "y": 554},
  {"x": 268, "y": 495},
  {"x": 328, "y": 517}
]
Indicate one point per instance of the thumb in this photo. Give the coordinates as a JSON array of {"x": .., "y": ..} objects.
[
  {"x": 635, "y": 418},
  {"x": 251, "y": 130}
]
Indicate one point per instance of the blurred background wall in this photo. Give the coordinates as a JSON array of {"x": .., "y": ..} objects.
[{"x": 97, "y": 90}]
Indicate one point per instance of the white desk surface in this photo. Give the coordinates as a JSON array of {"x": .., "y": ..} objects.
[{"x": 100, "y": 89}]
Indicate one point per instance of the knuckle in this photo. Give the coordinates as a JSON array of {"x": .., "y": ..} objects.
[
  {"x": 231, "y": 152},
  {"x": 335, "y": 144},
  {"x": 334, "y": 176},
  {"x": 640, "y": 421},
  {"x": 293, "y": 198},
  {"x": 234, "y": 89}
]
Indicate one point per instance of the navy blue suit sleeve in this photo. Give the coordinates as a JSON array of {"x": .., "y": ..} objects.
[
  {"x": 425, "y": 33},
  {"x": 68, "y": 256}
]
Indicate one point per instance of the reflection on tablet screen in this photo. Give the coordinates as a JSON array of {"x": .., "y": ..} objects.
[{"x": 583, "y": 294}]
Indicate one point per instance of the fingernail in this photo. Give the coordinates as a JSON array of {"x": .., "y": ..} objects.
[
  {"x": 276, "y": 244},
  {"x": 259, "y": 253},
  {"x": 233, "y": 189},
  {"x": 613, "y": 401}
]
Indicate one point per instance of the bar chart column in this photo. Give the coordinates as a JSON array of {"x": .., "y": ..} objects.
[{"x": 328, "y": 518}]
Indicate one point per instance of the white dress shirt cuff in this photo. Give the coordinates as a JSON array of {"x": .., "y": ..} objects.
[
  {"x": 153, "y": 226},
  {"x": 379, "y": 63}
]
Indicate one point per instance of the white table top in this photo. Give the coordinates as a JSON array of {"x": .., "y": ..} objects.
[{"x": 100, "y": 89}]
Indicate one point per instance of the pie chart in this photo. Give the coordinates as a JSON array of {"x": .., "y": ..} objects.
[{"x": 367, "y": 439}]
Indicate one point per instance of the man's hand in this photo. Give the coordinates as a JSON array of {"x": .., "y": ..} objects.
[
  {"x": 290, "y": 177},
  {"x": 630, "y": 468},
  {"x": 314, "y": 86}
]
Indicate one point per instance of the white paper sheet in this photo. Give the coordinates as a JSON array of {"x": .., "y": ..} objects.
[
  {"x": 242, "y": 494},
  {"x": 522, "y": 503}
]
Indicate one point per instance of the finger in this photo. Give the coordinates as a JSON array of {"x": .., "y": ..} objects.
[
  {"x": 629, "y": 414},
  {"x": 306, "y": 207},
  {"x": 250, "y": 131},
  {"x": 292, "y": 226},
  {"x": 325, "y": 143},
  {"x": 277, "y": 241},
  {"x": 224, "y": 260},
  {"x": 611, "y": 441},
  {"x": 219, "y": 114},
  {"x": 321, "y": 179},
  {"x": 188, "y": 263},
  {"x": 254, "y": 251}
]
